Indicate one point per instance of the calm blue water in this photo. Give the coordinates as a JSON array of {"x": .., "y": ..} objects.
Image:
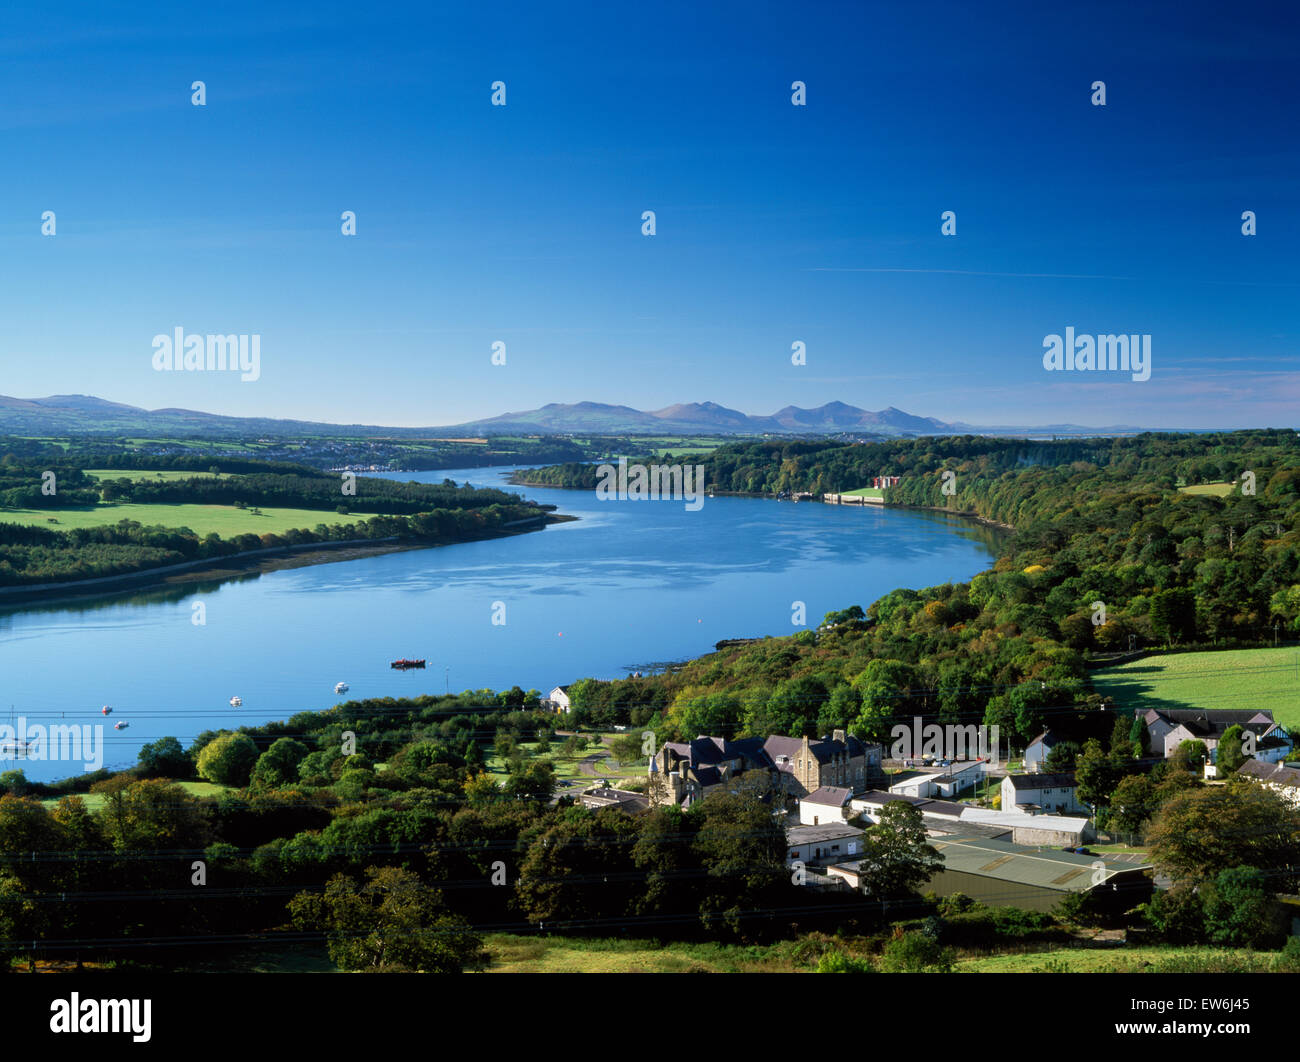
[{"x": 628, "y": 585}]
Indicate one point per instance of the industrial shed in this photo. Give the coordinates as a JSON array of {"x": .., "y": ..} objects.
[{"x": 999, "y": 873}]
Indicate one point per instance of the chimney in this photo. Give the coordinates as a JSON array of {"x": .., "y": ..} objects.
[{"x": 840, "y": 736}]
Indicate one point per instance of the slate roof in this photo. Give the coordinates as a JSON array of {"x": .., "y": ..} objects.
[
  {"x": 832, "y": 795},
  {"x": 1273, "y": 773},
  {"x": 1214, "y": 721},
  {"x": 797, "y": 835},
  {"x": 878, "y": 796},
  {"x": 1041, "y": 781}
]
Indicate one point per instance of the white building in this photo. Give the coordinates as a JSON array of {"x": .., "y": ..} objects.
[
  {"x": 1061, "y": 830},
  {"x": 827, "y": 805},
  {"x": 818, "y": 845},
  {"x": 558, "y": 699},
  {"x": 1037, "y": 794},
  {"x": 960, "y": 776}
]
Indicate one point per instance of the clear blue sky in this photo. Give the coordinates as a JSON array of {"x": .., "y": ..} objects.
[{"x": 775, "y": 223}]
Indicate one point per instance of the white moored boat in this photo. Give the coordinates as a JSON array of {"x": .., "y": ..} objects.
[
  {"x": 235, "y": 702},
  {"x": 341, "y": 687}
]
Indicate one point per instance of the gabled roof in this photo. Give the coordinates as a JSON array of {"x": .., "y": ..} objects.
[
  {"x": 1041, "y": 781},
  {"x": 1212, "y": 722},
  {"x": 831, "y": 795},
  {"x": 1047, "y": 739},
  {"x": 1273, "y": 773}
]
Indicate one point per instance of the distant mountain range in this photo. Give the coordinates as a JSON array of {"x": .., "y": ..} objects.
[{"x": 85, "y": 414}]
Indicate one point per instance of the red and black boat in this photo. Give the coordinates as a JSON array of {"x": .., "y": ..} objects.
[{"x": 404, "y": 664}]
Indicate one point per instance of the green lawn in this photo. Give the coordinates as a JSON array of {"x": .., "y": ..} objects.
[
  {"x": 225, "y": 520},
  {"x": 136, "y": 475},
  {"x": 1260, "y": 679},
  {"x": 95, "y": 801},
  {"x": 1215, "y": 490},
  {"x": 864, "y": 492}
]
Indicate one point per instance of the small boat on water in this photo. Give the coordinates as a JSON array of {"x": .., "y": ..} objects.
[
  {"x": 235, "y": 702},
  {"x": 121, "y": 725},
  {"x": 341, "y": 687},
  {"x": 403, "y": 664},
  {"x": 106, "y": 710}
]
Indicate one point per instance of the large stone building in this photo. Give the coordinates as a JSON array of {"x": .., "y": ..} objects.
[{"x": 683, "y": 772}]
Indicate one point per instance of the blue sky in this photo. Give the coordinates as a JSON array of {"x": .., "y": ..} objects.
[{"x": 775, "y": 223}]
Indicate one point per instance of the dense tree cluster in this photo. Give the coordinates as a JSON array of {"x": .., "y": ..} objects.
[
  {"x": 1106, "y": 554},
  {"x": 434, "y": 513}
]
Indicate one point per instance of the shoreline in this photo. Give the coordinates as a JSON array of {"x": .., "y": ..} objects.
[
  {"x": 251, "y": 562},
  {"x": 984, "y": 521}
]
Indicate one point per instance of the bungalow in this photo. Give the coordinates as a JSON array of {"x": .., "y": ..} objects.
[
  {"x": 1039, "y": 793},
  {"x": 1282, "y": 778}
]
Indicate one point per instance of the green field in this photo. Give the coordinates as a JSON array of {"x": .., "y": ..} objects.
[
  {"x": 95, "y": 801},
  {"x": 225, "y": 520},
  {"x": 566, "y": 765},
  {"x": 864, "y": 492},
  {"x": 1264, "y": 679},
  {"x": 136, "y": 475},
  {"x": 1215, "y": 490}
]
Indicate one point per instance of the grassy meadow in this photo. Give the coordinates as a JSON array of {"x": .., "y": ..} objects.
[
  {"x": 225, "y": 520},
  {"x": 1238, "y": 678}
]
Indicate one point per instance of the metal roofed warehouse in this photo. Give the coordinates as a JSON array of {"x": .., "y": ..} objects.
[{"x": 1001, "y": 873}]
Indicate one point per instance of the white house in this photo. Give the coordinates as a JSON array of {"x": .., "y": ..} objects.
[
  {"x": 818, "y": 845},
  {"x": 1037, "y": 751},
  {"x": 1041, "y": 793},
  {"x": 829, "y": 805},
  {"x": 558, "y": 699}
]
